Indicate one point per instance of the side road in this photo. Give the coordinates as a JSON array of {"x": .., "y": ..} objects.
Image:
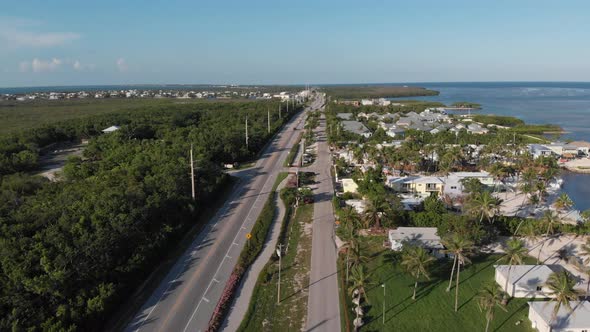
[{"x": 239, "y": 306}]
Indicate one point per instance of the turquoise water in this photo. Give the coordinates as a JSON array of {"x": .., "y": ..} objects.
[{"x": 565, "y": 104}]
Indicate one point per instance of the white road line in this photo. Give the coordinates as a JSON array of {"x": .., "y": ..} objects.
[
  {"x": 217, "y": 216},
  {"x": 205, "y": 299}
]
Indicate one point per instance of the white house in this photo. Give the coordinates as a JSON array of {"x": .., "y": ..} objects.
[
  {"x": 111, "y": 129},
  {"x": 424, "y": 237},
  {"x": 524, "y": 280},
  {"x": 578, "y": 320},
  {"x": 453, "y": 181},
  {"x": 359, "y": 205}
]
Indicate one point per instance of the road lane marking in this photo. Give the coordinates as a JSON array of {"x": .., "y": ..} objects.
[{"x": 205, "y": 299}]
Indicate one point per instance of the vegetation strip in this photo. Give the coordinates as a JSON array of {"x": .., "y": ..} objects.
[{"x": 248, "y": 255}]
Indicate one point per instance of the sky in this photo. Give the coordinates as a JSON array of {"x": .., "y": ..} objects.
[{"x": 59, "y": 42}]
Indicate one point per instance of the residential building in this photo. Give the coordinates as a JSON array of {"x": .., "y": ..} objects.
[
  {"x": 423, "y": 185},
  {"x": 454, "y": 181},
  {"x": 359, "y": 205},
  {"x": 541, "y": 315},
  {"x": 539, "y": 150},
  {"x": 356, "y": 128},
  {"x": 111, "y": 129},
  {"x": 524, "y": 280},
  {"x": 349, "y": 186},
  {"x": 425, "y": 237},
  {"x": 344, "y": 116}
]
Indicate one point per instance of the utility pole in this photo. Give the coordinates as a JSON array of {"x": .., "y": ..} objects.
[
  {"x": 279, "y": 253},
  {"x": 192, "y": 173},
  {"x": 246, "y": 132},
  {"x": 268, "y": 116},
  {"x": 280, "y": 116},
  {"x": 287, "y": 106}
]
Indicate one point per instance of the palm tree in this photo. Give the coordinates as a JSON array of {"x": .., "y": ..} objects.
[
  {"x": 563, "y": 202},
  {"x": 490, "y": 297},
  {"x": 483, "y": 205},
  {"x": 416, "y": 261},
  {"x": 550, "y": 220},
  {"x": 585, "y": 251},
  {"x": 561, "y": 289},
  {"x": 459, "y": 247},
  {"x": 360, "y": 280},
  {"x": 579, "y": 265},
  {"x": 514, "y": 253}
]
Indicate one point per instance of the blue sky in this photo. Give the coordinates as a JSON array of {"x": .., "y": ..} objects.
[{"x": 283, "y": 42}]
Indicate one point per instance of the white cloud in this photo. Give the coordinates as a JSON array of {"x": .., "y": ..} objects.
[
  {"x": 122, "y": 65},
  {"x": 38, "y": 65},
  {"x": 17, "y": 33},
  {"x": 49, "y": 65}
]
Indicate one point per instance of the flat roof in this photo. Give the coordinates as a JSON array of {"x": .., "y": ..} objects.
[
  {"x": 579, "y": 318},
  {"x": 526, "y": 276},
  {"x": 423, "y": 236}
]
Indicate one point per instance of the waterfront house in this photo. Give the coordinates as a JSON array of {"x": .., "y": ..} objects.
[
  {"x": 524, "y": 281},
  {"x": 425, "y": 237},
  {"x": 476, "y": 128},
  {"x": 539, "y": 150},
  {"x": 541, "y": 315}
]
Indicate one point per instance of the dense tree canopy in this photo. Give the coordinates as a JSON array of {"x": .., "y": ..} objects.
[{"x": 71, "y": 250}]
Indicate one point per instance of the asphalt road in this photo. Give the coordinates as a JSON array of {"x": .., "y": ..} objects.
[
  {"x": 187, "y": 296},
  {"x": 323, "y": 305}
]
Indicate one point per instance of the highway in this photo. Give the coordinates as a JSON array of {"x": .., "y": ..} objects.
[{"x": 187, "y": 296}]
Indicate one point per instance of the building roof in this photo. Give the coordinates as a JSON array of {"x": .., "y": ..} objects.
[
  {"x": 422, "y": 236},
  {"x": 111, "y": 129},
  {"x": 525, "y": 276},
  {"x": 355, "y": 127},
  {"x": 482, "y": 174},
  {"x": 344, "y": 116},
  {"x": 579, "y": 318}
]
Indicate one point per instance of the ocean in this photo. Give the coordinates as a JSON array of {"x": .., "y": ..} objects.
[{"x": 566, "y": 104}]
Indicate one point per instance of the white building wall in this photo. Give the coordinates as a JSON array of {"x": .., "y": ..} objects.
[{"x": 537, "y": 322}]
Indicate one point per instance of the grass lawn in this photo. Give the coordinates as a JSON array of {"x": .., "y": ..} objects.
[
  {"x": 263, "y": 313},
  {"x": 433, "y": 309}
]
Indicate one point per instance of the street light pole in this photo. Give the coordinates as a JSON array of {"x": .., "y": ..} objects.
[{"x": 279, "y": 253}]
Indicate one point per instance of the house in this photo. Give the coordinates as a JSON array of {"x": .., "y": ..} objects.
[
  {"x": 583, "y": 146},
  {"x": 359, "y": 205},
  {"x": 524, "y": 280},
  {"x": 539, "y": 150},
  {"x": 111, "y": 129},
  {"x": 395, "y": 132},
  {"x": 476, "y": 128},
  {"x": 344, "y": 116},
  {"x": 454, "y": 181},
  {"x": 424, "y": 237},
  {"x": 349, "y": 186},
  {"x": 366, "y": 102},
  {"x": 543, "y": 320},
  {"x": 424, "y": 185},
  {"x": 356, "y": 128}
]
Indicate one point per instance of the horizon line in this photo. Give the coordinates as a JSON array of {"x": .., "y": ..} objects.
[{"x": 275, "y": 84}]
